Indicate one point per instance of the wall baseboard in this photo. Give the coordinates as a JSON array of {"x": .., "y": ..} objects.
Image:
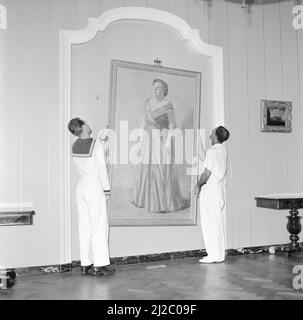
[{"x": 148, "y": 258}]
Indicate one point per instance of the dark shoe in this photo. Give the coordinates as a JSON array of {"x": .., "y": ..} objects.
[
  {"x": 84, "y": 270},
  {"x": 103, "y": 271}
]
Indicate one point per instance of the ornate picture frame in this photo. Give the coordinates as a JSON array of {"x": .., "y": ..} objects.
[
  {"x": 276, "y": 116},
  {"x": 131, "y": 83}
]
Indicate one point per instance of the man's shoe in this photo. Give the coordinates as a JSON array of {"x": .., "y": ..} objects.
[
  {"x": 84, "y": 269},
  {"x": 103, "y": 271},
  {"x": 208, "y": 260}
]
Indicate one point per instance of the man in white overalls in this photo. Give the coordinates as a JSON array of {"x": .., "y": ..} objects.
[
  {"x": 92, "y": 189},
  {"x": 212, "y": 198}
]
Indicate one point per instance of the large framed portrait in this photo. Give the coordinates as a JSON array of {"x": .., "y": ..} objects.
[
  {"x": 276, "y": 116},
  {"x": 154, "y": 114}
]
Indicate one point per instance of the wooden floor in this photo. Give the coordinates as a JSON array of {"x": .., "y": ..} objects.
[{"x": 258, "y": 276}]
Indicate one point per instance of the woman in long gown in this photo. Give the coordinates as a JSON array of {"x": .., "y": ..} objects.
[{"x": 156, "y": 185}]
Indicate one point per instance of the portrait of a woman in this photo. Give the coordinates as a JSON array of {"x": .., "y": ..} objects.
[{"x": 156, "y": 185}]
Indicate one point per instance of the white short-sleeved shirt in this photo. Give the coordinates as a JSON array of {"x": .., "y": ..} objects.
[{"x": 216, "y": 162}]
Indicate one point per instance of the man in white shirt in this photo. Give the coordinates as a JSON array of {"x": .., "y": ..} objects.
[
  {"x": 212, "y": 198},
  {"x": 92, "y": 189}
]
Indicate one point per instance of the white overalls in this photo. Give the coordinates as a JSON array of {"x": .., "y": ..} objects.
[
  {"x": 91, "y": 203},
  {"x": 212, "y": 201}
]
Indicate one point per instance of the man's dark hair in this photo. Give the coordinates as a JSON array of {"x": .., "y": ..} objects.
[
  {"x": 75, "y": 126},
  {"x": 222, "y": 134}
]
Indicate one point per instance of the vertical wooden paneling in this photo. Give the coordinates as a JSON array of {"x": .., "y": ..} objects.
[
  {"x": 290, "y": 80},
  {"x": 85, "y": 9},
  {"x": 273, "y": 50},
  {"x": 299, "y": 36},
  {"x": 11, "y": 65},
  {"x": 3, "y": 41},
  {"x": 289, "y": 91},
  {"x": 158, "y": 4},
  {"x": 274, "y": 90},
  {"x": 35, "y": 75},
  {"x": 257, "y": 144},
  {"x": 218, "y": 35},
  {"x": 136, "y": 3},
  {"x": 179, "y": 8},
  {"x": 62, "y": 16},
  {"x": 240, "y": 158},
  {"x": 110, "y": 4},
  {"x": 198, "y": 17},
  {"x": 10, "y": 136}
]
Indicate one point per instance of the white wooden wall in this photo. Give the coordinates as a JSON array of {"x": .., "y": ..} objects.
[{"x": 263, "y": 58}]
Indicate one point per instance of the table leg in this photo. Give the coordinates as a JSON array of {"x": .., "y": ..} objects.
[{"x": 294, "y": 228}]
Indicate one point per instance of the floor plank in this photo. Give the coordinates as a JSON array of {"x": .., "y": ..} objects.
[{"x": 252, "y": 277}]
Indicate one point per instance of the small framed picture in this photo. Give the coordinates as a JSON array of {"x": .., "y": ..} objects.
[{"x": 276, "y": 116}]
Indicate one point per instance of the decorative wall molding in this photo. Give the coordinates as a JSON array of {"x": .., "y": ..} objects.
[
  {"x": 16, "y": 206},
  {"x": 95, "y": 25},
  {"x": 16, "y": 214},
  {"x": 16, "y": 218}
]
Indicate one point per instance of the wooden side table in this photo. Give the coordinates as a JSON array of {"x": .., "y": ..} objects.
[{"x": 292, "y": 202}]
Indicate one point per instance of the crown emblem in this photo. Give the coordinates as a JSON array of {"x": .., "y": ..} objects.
[{"x": 157, "y": 62}]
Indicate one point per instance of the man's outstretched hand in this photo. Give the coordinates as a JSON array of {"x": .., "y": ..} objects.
[{"x": 197, "y": 191}]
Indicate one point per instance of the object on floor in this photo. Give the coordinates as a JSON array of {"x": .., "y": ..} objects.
[
  {"x": 50, "y": 269},
  {"x": 7, "y": 279},
  {"x": 272, "y": 250},
  {"x": 158, "y": 266}
]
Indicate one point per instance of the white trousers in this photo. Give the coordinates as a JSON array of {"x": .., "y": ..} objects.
[
  {"x": 93, "y": 223},
  {"x": 212, "y": 223}
]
